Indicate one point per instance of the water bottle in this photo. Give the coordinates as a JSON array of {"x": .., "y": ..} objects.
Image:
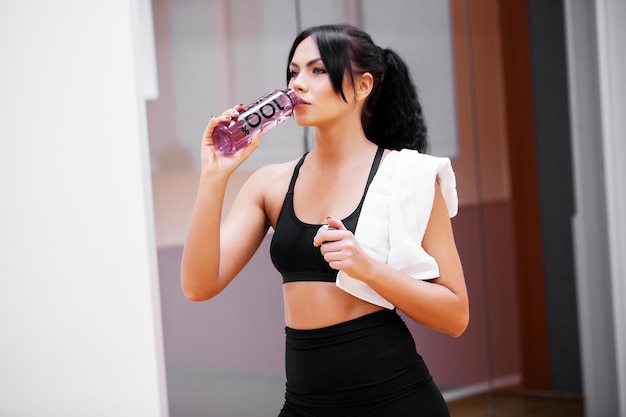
[{"x": 265, "y": 113}]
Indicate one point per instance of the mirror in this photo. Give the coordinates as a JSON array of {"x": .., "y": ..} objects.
[{"x": 225, "y": 356}]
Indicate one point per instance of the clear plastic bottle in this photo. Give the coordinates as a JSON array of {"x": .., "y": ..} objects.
[{"x": 265, "y": 113}]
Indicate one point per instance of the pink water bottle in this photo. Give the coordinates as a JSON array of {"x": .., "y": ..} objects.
[{"x": 265, "y": 113}]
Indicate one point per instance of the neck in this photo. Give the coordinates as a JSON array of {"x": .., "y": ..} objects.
[{"x": 340, "y": 141}]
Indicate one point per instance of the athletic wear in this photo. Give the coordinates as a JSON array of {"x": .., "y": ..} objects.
[
  {"x": 366, "y": 367},
  {"x": 292, "y": 251}
]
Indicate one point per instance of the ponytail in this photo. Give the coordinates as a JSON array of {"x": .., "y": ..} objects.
[{"x": 393, "y": 116}]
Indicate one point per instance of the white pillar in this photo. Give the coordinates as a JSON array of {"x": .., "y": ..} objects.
[
  {"x": 610, "y": 16},
  {"x": 597, "y": 83},
  {"x": 80, "y": 327}
]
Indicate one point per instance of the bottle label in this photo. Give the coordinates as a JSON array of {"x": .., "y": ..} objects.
[{"x": 256, "y": 115}]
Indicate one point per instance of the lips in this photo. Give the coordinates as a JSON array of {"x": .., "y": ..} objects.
[{"x": 303, "y": 102}]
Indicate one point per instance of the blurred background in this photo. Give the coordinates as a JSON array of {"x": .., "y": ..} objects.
[{"x": 525, "y": 96}]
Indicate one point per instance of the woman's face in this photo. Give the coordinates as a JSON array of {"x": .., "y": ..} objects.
[{"x": 320, "y": 103}]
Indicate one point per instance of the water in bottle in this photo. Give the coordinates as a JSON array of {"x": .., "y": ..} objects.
[{"x": 265, "y": 113}]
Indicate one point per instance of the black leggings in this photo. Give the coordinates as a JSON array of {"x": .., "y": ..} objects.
[{"x": 366, "y": 367}]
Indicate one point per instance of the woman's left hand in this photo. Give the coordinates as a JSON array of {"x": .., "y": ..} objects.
[{"x": 341, "y": 249}]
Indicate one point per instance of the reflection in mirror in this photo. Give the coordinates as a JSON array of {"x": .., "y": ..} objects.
[{"x": 225, "y": 357}]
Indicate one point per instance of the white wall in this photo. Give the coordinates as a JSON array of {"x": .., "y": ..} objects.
[{"x": 79, "y": 313}]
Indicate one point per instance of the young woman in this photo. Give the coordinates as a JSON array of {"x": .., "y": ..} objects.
[{"x": 390, "y": 242}]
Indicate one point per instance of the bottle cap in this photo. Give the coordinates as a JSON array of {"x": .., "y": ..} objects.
[{"x": 324, "y": 228}]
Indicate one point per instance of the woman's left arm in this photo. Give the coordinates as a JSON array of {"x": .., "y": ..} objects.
[{"x": 441, "y": 303}]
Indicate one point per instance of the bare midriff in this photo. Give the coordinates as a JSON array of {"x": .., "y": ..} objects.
[{"x": 315, "y": 304}]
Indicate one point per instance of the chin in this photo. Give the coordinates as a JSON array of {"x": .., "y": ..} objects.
[{"x": 304, "y": 122}]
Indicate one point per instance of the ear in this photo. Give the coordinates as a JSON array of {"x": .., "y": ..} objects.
[{"x": 364, "y": 85}]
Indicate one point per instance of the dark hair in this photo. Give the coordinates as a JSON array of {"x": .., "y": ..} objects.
[{"x": 392, "y": 116}]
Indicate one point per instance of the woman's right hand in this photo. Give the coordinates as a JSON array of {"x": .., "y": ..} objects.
[
  {"x": 203, "y": 274},
  {"x": 215, "y": 162}
]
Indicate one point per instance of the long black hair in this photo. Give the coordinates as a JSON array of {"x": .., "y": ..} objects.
[{"x": 392, "y": 116}]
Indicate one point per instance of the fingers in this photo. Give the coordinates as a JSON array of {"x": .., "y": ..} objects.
[
  {"x": 338, "y": 245},
  {"x": 335, "y": 223},
  {"x": 207, "y": 138},
  {"x": 326, "y": 233},
  {"x": 228, "y": 115},
  {"x": 340, "y": 253},
  {"x": 225, "y": 118}
]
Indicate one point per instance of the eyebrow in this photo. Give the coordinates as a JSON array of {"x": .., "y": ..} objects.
[{"x": 308, "y": 64}]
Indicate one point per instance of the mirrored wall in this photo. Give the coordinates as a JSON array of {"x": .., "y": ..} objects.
[{"x": 225, "y": 357}]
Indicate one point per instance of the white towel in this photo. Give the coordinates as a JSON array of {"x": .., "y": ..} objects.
[{"x": 395, "y": 214}]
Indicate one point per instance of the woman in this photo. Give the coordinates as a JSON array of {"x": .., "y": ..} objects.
[{"x": 347, "y": 353}]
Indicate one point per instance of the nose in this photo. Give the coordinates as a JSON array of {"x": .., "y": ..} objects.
[{"x": 298, "y": 83}]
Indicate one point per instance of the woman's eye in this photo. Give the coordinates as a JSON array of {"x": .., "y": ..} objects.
[
  {"x": 293, "y": 74},
  {"x": 319, "y": 71}
]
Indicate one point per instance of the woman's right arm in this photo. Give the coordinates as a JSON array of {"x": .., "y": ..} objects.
[{"x": 214, "y": 253}]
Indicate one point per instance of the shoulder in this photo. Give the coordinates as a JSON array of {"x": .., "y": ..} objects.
[
  {"x": 269, "y": 184},
  {"x": 273, "y": 174}
]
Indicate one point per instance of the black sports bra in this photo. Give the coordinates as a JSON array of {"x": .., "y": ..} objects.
[{"x": 292, "y": 251}]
